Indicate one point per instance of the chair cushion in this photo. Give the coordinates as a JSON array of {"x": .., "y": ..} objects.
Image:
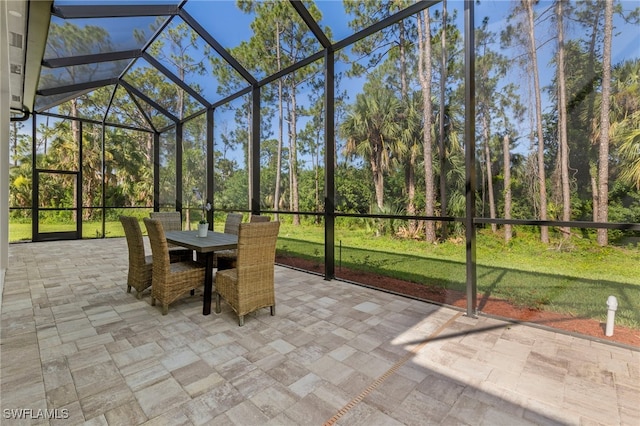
[{"x": 184, "y": 266}]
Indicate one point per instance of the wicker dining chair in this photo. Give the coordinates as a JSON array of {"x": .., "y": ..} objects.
[
  {"x": 172, "y": 221},
  {"x": 224, "y": 259},
  {"x": 227, "y": 259},
  {"x": 258, "y": 218},
  {"x": 250, "y": 285},
  {"x": 139, "y": 275},
  {"x": 170, "y": 281},
  {"x": 232, "y": 223}
]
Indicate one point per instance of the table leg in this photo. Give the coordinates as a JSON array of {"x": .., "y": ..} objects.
[{"x": 208, "y": 284}]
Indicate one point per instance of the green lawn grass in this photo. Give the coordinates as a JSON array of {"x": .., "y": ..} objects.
[{"x": 574, "y": 279}]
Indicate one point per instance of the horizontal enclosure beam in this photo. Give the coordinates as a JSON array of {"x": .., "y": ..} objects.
[
  {"x": 91, "y": 59},
  {"x": 77, "y": 87},
  {"x": 114, "y": 11},
  {"x": 96, "y": 122},
  {"x": 60, "y": 100}
]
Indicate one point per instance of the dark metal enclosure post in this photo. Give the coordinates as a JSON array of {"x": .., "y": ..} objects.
[
  {"x": 254, "y": 152},
  {"x": 329, "y": 164},
  {"x": 209, "y": 149},
  {"x": 156, "y": 171},
  {"x": 179, "y": 128},
  {"x": 103, "y": 167},
  {"x": 79, "y": 197},
  {"x": 470, "y": 156},
  {"x": 34, "y": 173}
]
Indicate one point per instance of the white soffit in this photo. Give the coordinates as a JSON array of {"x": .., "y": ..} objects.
[{"x": 28, "y": 24}]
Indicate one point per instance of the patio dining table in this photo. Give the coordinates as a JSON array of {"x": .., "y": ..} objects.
[{"x": 214, "y": 241}]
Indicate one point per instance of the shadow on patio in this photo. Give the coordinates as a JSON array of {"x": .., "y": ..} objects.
[{"x": 76, "y": 344}]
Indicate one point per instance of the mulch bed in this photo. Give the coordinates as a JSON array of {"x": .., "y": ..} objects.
[{"x": 486, "y": 305}]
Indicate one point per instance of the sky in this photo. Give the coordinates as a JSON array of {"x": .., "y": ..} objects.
[
  {"x": 625, "y": 44},
  {"x": 230, "y": 26}
]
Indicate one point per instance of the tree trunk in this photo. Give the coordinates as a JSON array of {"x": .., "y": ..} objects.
[
  {"x": 591, "y": 106},
  {"x": 14, "y": 138},
  {"x": 562, "y": 125},
  {"x": 410, "y": 181},
  {"x": 544, "y": 230},
  {"x": 77, "y": 139},
  {"x": 593, "y": 173},
  {"x": 441, "y": 141},
  {"x": 249, "y": 156},
  {"x": 276, "y": 195},
  {"x": 507, "y": 187},
  {"x": 411, "y": 191},
  {"x": 603, "y": 155},
  {"x": 378, "y": 176},
  {"x": 45, "y": 142},
  {"x": 316, "y": 166},
  {"x": 293, "y": 155},
  {"x": 403, "y": 62},
  {"x": 487, "y": 159},
  {"x": 424, "y": 72}
]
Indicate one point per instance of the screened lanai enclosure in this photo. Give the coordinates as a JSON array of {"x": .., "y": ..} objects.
[{"x": 483, "y": 155}]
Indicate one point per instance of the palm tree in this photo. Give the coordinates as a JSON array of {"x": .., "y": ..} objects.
[
  {"x": 629, "y": 151},
  {"x": 625, "y": 126},
  {"x": 411, "y": 135},
  {"x": 372, "y": 132}
]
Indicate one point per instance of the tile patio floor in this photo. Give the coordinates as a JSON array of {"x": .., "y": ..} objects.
[{"x": 75, "y": 343}]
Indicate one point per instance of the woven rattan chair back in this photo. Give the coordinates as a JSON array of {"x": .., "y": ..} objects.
[
  {"x": 140, "y": 265},
  {"x": 171, "y": 221},
  {"x": 226, "y": 259},
  {"x": 232, "y": 223},
  {"x": 159, "y": 248},
  {"x": 250, "y": 285},
  {"x": 170, "y": 281},
  {"x": 258, "y": 218}
]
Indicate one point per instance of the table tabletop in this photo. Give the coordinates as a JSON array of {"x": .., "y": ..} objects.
[{"x": 214, "y": 241}]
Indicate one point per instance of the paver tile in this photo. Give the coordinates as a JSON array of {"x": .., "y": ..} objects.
[{"x": 73, "y": 339}]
